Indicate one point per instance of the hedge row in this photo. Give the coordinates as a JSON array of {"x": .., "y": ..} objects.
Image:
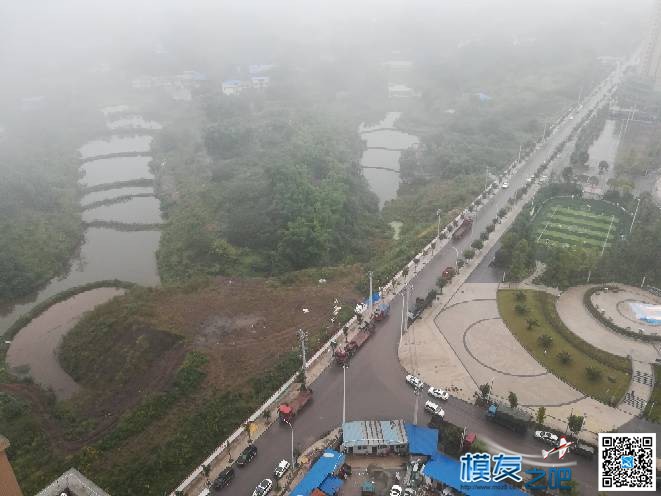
[
  {"x": 551, "y": 314},
  {"x": 587, "y": 301}
]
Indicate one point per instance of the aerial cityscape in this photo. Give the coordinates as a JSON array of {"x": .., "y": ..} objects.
[{"x": 369, "y": 248}]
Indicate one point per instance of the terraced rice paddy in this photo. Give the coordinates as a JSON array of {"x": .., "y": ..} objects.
[{"x": 577, "y": 224}]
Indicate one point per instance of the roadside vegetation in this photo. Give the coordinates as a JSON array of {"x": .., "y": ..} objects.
[
  {"x": 532, "y": 318},
  {"x": 653, "y": 407}
]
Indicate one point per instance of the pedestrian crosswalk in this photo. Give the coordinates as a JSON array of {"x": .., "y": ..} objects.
[
  {"x": 634, "y": 401},
  {"x": 643, "y": 378}
]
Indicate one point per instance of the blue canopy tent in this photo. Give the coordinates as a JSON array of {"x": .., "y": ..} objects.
[
  {"x": 422, "y": 440},
  {"x": 447, "y": 470},
  {"x": 327, "y": 464}
]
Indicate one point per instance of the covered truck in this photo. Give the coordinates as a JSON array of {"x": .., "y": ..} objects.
[
  {"x": 465, "y": 226},
  {"x": 342, "y": 354},
  {"x": 512, "y": 418},
  {"x": 287, "y": 411},
  {"x": 382, "y": 311}
]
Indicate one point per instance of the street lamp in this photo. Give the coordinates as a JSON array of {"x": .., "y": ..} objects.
[
  {"x": 344, "y": 393},
  {"x": 634, "y": 216},
  {"x": 438, "y": 227},
  {"x": 292, "y": 443}
]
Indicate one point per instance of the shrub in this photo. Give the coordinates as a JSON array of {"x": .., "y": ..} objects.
[
  {"x": 502, "y": 212},
  {"x": 490, "y": 228},
  {"x": 531, "y": 323},
  {"x": 521, "y": 296},
  {"x": 513, "y": 399},
  {"x": 469, "y": 253},
  {"x": 545, "y": 341},
  {"x": 565, "y": 357},
  {"x": 593, "y": 373},
  {"x": 520, "y": 309},
  {"x": 477, "y": 244},
  {"x": 484, "y": 235}
]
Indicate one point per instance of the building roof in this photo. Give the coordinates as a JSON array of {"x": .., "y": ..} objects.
[
  {"x": 447, "y": 470},
  {"x": 373, "y": 433},
  {"x": 328, "y": 463},
  {"x": 331, "y": 485},
  {"x": 232, "y": 82},
  {"x": 75, "y": 482},
  {"x": 422, "y": 440}
]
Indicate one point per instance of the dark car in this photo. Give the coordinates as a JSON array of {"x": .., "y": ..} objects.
[
  {"x": 582, "y": 449},
  {"x": 247, "y": 455},
  {"x": 224, "y": 478}
]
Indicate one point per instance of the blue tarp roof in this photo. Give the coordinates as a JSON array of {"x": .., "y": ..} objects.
[
  {"x": 422, "y": 440},
  {"x": 329, "y": 461},
  {"x": 331, "y": 485},
  {"x": 447, "y": 470},
  {"x": 375, "y": 297}
]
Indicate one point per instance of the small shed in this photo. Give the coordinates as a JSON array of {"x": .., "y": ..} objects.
[{"x": 374, "y": 437}]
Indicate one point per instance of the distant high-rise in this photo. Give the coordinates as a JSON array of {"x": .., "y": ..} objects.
[
  {"x": 8, "y": 483},
  {"x": 650, "y": 65}
]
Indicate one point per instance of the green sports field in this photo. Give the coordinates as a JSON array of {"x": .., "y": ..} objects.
[{"x": 569, "y": 223}]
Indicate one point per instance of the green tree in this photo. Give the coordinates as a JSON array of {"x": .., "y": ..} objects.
[
  {"x": 513, "y": 399},
  {"x": 565, "y": 357},
  {"x": 567, "y": 174},
  {"x": 520, "y": 309},
  {"x": 521, "y": 296},
  {"x": 530, "y": 323},
  {"x": 541, "y": 415},
  {"x": 468, "y": 253},
  {"x": 575, "y": 423},
  {"x": 594, "y": 374},
  {"x": 603, "y": 166},
  {"x": 485, "y": 391},
  {"x": 477, "y": 244},
  {"x": 545, "y": 341}
]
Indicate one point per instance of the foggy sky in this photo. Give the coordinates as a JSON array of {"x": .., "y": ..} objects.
[{"x": 41, "y": 39}]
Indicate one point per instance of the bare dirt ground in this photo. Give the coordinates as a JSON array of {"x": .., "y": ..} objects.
[{"x": 243, "y": 326}]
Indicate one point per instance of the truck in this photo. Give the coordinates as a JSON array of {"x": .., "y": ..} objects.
[
  {"x": 287, "y": 411},
  {"x": 512, "y": 418},
  {"x": 464, "y": 227},
  {"x": 414, "y": 313},
  {"x": 342, "y": 354},
  {"x": 381, "y": 312}
]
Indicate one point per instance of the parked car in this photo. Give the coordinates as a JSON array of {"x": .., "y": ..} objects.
[
  {"x": 505, "y": 185},
  {"x": 409, "y": 491},
  {"x": 224, "y": 478},
  {"x": 281, "y": 469},
  {"x": 414, "y": 381},
  {"x": 582, "y": 449},
  {"x": 395, "y": 490},
  {"x": 247, "y": 455},
  {"x": 263, "y": 488},
  {"x": 547, "y": 437},
  {"x": 434, "y": 409},
  {"x": 441, "y": 394}
]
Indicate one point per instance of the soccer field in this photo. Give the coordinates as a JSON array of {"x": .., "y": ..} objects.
[{"x": 577, "y": 223}]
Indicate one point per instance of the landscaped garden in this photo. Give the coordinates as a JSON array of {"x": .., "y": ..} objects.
[{"x": 532, "y": 318}]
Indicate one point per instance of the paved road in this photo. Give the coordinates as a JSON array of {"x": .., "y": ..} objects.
[{"x": 375, "y": 378}]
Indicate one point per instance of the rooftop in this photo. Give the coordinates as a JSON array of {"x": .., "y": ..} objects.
[
  {"x": 75, "y": 483},
  {"x": 373, "y": 433},
  {"x": 318, "y": 474}
]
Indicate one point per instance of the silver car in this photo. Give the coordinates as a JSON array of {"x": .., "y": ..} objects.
[{"x": 263, "y": 488}]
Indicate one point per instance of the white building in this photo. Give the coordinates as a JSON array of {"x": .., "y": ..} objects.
[
  {"x": 400, "y": 91},
  {"x": 260, "y": 82},
  {"x": 232, "y": 87}
]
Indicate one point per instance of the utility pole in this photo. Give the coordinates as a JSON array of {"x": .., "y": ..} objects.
[
  {"x": 643, "y": 282},
  {"x": 415, "y": 408},
  {"x": 520, "y": 149},
  {"x": 634, "y": 216},
  {"x": 301, "y": 336},
  {"x": 401, "y": 324},
  {"x": 438, "y": 227},
  {"x": 486, "y": 178},
  {"x": 546, "y": 125},
  {"x": 370, "y": 299},
  {"x": 292, "y": 444},
  {"x": 344, "y": 393}
]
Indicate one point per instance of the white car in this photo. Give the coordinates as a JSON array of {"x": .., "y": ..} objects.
[
  {"x": 438, "y": 393},
  {"x": 414, "y": 381},
  {"x": 434, "y": 409},
  {"x": 263, "y": 488},
  {"x": 547, "y": 437},
  {"x": 409, "y": 491},
  {"x": 281, "y": 469},
  {"x": 395, "y": 490},
  {"x": 505, "y": 185}
]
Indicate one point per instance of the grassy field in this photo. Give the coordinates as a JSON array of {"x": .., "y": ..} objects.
[
  {"x": 540, "y": 307},
  {"x": 573, "y": 223},
  {"x": 653, "y": 408}
]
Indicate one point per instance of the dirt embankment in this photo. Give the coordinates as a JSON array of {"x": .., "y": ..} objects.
[{"x": 132, "y": 347}]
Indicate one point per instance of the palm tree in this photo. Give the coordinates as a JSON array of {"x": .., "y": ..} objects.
[{"x": 545, "y": 341}]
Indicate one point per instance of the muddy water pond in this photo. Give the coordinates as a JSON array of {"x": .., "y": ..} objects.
[
  {"x": 33, "y": 350},
  {"x": 116, "y": 144},
  {"x": 139, "y": 210},
  {"x": 110, "y": 170},
  {"x": 114, "y": 193}
]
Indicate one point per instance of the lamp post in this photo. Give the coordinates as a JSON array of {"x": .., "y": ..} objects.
[
  {"x": 438, "y": 226},
  {"x": 344, "y": 393},
  {"x": 633, "y": 221},
  {"x": 292, "y": 443}
]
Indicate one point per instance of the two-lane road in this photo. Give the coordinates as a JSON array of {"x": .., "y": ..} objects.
[{"x": 375, "y": 378}]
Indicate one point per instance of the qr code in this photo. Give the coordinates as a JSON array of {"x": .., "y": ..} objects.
[{"x": 627, "y": 462}]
